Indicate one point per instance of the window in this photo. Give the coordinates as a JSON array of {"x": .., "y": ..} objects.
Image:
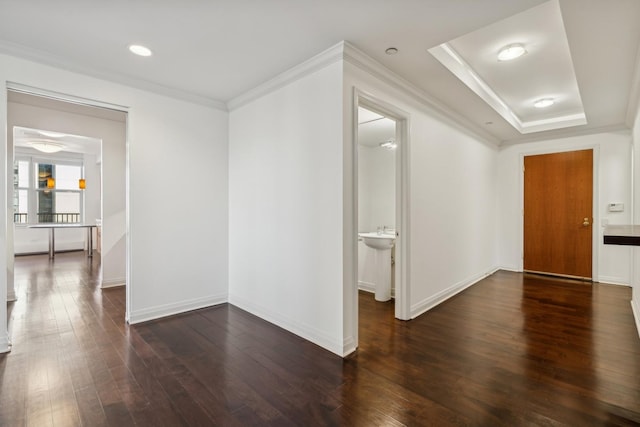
[{"x": 51, "y": 196}]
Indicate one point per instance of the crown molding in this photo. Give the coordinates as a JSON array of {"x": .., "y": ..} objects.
[
  {"x": 363, "y": 61},
  {"x": 452, "y": 60},
  {"x": 566, "y": 133},
  {"x": 45, "y": 58},
  {"x": 318, "y": 62}
]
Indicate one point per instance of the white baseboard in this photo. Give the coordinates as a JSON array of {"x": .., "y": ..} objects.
[
  {"x": 175, "y": 308},
  {"x": 349, "y": 346},
  {"x": 296, "y": 327},
  {"x": 428, "y": 303},
  {"x": 371, "y": 288},
  {"x": 636, "y": 315},
  {"x": 5, "y": 344},
  {"x": 512, "y": 269},
  {"x": 112, "y": 283},
  {"x": 367, "y": 287},
  {"x": 612, "y": 281}
]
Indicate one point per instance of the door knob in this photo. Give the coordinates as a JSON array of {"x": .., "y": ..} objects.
[{"x": 586, "y": 222}]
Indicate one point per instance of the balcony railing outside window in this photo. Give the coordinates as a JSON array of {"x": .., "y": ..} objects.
[{"x": 46, "y": 217}]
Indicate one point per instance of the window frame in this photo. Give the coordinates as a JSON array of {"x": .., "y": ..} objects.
[{"x": 33, "y": 190}]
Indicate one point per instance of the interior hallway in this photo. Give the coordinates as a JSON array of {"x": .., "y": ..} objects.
[{"x": 511, "y": 350}]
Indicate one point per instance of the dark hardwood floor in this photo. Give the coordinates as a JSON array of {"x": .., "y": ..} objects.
[{"x": 512, "y": 350}]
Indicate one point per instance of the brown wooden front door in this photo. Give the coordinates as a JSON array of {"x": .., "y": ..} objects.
[{"x": 558, "y": 205}]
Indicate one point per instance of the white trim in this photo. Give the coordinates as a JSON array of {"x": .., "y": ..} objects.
[
  {"x": 46, "y": 58},
  {"x": 11, "y": 295},
  {"x": 371, "y": 288},
  {"x": 305, "y": 331},
  {"x": 432, "y": 301},
  {"x": 595, "y": 212},
  {"x": 636, "y": 315},
  {"x": 565, "y": 133},
  {"x": 348, "y": 346},
  {"x": 5, "y": 343},
  {"x": 58, "y": 96},
  {"x": 318, "y": 62},
  {"x": 113, "y": 283},
  {"x": 166, "y": 310},
  {"x": 512, "y": 269},
  {"x": 366, "y": 286},
  {"x": 610, "y": 280}
]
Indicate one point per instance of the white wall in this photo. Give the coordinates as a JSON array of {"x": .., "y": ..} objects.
[
  {"x": 376, "y": 188},
  {"x": 285, "y": 206},
  {"x": 113, "y": 136},
  {"x": 176, "y": 151},
  {"x": 635, "y": 282},
  {"x": 452, "y": 197},
  {"x": 612, "y": 163}
]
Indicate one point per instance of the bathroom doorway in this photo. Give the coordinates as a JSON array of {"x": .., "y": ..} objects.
[
  {"x": 381, "y": 221},
  {"x": 376, "y": 204}
]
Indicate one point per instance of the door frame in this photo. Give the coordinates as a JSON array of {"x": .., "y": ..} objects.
[
  {"x": 64, "y": 97},
  {"x": 595, "y": 229},
  {"x": 402, "y": 255}
]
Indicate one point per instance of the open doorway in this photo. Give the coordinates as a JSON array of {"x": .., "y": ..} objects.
[
  {"x": 377, "y": 147},
  {"x": 75, "y": 180},
  {"x": 381, "y": 222}
]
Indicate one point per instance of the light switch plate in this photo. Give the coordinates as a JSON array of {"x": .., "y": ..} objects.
[{"x": 616, "y": 207}]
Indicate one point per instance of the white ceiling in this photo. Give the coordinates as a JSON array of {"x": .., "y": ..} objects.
[
  {"x": 71, "y": 143},
  {"x": 23, "y": 136},
  {"x": 216, "y": 50},
  {"x": 374, "y": 129}
]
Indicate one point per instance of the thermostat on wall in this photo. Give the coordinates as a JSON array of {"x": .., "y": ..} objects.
[{"x": 616, "y": 207}]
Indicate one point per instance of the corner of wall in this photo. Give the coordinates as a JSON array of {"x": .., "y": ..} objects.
[
  {"x": 165, "y": 310},
  {"x": 428, "y": 303},
  {"x": 349, "y": 346},
  {"x": 302, "y": 330}
]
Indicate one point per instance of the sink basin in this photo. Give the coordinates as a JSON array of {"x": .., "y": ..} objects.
[
  {"x": 378, "y": 241},
  {"x": 382, "y": 243}
]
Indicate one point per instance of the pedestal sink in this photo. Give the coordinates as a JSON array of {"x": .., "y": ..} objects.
[{"x": 382, "y": 243}]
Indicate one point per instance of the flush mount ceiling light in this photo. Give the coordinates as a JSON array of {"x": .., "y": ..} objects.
[
  {"x": 511, "y": 51},
  {"x": 391, "y": 51},
  {"x": 389, "y": 145},
  {"x": 140, "y": 50},
  {"x": 46, "y": 146},
  {"x": 544, "y": 103}
]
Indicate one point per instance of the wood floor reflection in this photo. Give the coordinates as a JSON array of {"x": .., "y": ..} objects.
[{"x": 511, "y": 350}]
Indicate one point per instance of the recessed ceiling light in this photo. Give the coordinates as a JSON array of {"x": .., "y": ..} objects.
[
  {"x": 544, "y": 103},
  {"x": 391, "y": 51},
  {"x": 140, "y": 50},
  {"x": 511, "y": 51}
]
